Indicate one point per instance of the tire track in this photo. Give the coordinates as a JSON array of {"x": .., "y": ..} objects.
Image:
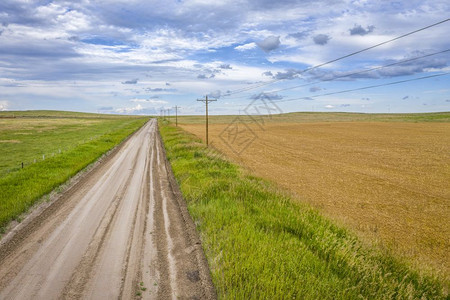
[
  {"x": 122, "y": 232},
  {"x": 76, "y": 285}
]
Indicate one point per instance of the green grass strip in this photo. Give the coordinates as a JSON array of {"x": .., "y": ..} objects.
[
  {"x": 20, "y": 189},
  {"x": 260, "y": 244}
]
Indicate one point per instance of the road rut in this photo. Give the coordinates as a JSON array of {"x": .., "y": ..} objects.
[{"x": 123, "y": 232}]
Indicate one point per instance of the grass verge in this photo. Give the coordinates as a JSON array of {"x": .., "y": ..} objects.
[
  {"x": 262, "y": 245},
  {"x": 84, "y": 144}
]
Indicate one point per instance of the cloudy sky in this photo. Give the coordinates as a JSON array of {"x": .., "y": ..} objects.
[{"x": 138, "y": 57}]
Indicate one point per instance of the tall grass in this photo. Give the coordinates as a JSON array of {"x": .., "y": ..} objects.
[
  {"x": 20, "y": 188},
  {"x": 262, "y": 245}
]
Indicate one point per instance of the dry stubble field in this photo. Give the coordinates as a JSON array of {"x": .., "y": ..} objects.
[{"x": 387, "y": 181}]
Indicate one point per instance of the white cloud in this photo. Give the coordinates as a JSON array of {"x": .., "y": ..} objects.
[
  {"x": 4, "y": 105},
  {"x": 246, "y": 47},
  {"x": 84, "y": 50},
  {"x": 130, "y": 110},
  {"x": 151, "y": 101}
]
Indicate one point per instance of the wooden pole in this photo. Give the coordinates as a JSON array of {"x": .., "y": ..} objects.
[
  {"x": 206, "y": 100},
  {"x": 206, "y": 120},
  {"x": 176, "y": 115}
]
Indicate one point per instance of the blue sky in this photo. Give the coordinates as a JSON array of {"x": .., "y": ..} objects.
[{"x": 138, "y": 57}]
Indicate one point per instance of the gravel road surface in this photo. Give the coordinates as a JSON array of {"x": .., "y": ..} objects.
[{"x": 122, "y": 231}]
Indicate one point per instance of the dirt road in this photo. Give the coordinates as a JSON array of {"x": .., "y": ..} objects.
[{"x": 123, "y": 231}]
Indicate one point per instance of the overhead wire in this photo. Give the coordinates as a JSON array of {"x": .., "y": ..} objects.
[
  {"x": 336, "y": 59},
  {"x": 357, "y": 89},
  {"x": 365, "y": 88},
  {"x": 358, "y": 72}
]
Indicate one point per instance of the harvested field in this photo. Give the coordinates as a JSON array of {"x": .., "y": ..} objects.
[{"x": 387, "y": 181}]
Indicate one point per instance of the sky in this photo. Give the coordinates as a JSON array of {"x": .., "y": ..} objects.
[{"x": 139, "y": 57}]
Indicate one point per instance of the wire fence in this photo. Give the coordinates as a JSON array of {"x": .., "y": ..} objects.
[
  {"x": 42, "y": 156},
  {"x": 38, "y": 158}
]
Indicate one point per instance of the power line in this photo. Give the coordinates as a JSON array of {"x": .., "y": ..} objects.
[
  {"x": 338, "y": 59},
  {"x": 362, "y": 71},
  {"x": 358, "y": 89},
  {"x": 379, "y": 44},
  {"x": 356, "y": 73},
  {"x": 365, "y": 88},
  {"x": 176, "y": 115}
]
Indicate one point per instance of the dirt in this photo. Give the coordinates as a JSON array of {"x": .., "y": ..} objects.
[{"x": 121, "y": 231}]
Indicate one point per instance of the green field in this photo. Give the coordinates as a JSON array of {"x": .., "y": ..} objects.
[
  {"x": 261, "y": 244},
  {"x": 53, "y": 146}
]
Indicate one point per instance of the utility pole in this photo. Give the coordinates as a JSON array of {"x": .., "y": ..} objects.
[
  {"x": 176, "y": 115},
  {"x": 206, "y": 100},
  {"x": 168, "y": 114}
]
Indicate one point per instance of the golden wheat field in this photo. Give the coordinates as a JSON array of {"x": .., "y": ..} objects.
[{"x": 387, "y": 181}]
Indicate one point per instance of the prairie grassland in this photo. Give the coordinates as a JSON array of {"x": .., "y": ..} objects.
[
  {"x": 261, "y": 244},
  {"x": 53, "y": 147},
  {"x": 387, "y": 181},
  {"x": 55, "y": 114}
]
